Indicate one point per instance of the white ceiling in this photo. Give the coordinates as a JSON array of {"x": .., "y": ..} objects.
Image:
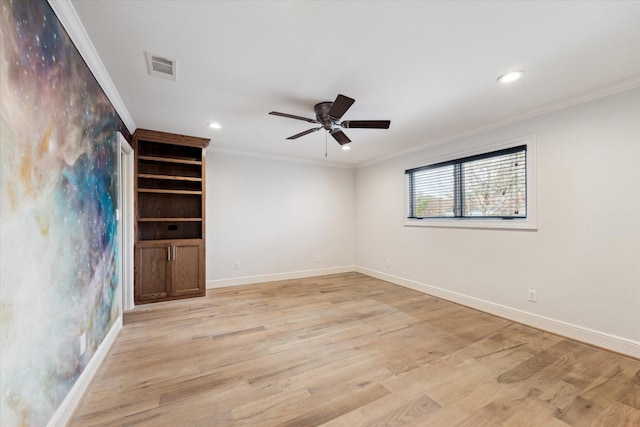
[{"x": 429, "y": 67}]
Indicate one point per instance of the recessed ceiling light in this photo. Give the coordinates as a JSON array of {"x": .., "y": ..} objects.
[
  {"x": 511, "y": 76},
  {"x": 346, "y": 147},
  {"x": 215, "y": 125}
]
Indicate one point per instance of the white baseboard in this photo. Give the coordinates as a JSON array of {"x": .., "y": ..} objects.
[
  {"x": 68, "y": 406},
  {"x": 601, "y": 339},
  {"x": 247, "y": 280}
]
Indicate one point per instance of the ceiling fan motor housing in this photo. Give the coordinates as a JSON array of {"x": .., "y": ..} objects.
[{"x": 322, "y": 114}]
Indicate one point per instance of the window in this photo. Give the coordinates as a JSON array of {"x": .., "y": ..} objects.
[{"x": 482, "y": 189}]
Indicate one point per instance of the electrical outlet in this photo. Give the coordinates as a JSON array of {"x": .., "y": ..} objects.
[
  {"x": 83, "y": 343},
  {"x": 388, "y": 263},
  {"x": 236, "y": 265},
  {"x": 532, "y": 295},
  {"x": 317, "y": 259}
]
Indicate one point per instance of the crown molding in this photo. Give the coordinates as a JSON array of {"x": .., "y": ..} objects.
[
  {"x": 71, "y": 22},
  {"x": 264, "y": 156},
  {"x": 602, "y": 92}
]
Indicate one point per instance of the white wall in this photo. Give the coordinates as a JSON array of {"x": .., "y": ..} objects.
[
  {"x": 584, "y": 259},
  {"x": 275, "y": 217}
]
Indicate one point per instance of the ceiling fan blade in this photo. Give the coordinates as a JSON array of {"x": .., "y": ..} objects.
[
  {"x": 306, "y": 132},
  {"x": 366, "y": 124},
  {"x": 340, "y": 136},
  {"x": 291, "y": 116},
  {"x": 340, "y": 106}
]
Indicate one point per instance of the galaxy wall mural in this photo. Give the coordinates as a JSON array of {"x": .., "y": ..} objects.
[{"x": 58, "y": 235}]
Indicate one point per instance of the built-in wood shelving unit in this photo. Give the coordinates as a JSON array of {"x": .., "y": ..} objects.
[{"x": 170, "y": 213}]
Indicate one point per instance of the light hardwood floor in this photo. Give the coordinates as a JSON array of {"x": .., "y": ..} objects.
[{"x": 349, "y": 350}]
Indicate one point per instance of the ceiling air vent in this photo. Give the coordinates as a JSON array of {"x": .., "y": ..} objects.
[{"x": 161, "y": 67}]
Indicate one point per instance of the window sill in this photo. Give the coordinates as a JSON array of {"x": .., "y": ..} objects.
[{"x": 497, "y": 224}]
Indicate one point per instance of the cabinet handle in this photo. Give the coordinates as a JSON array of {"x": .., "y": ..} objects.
[
  {"x": 168, "y": 253},
  {"x": 174, "y": 253}
]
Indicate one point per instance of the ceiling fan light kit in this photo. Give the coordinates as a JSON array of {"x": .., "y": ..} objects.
[{"x": 328, "y": 115}]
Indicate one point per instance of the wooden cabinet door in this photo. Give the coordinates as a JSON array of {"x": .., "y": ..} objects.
[
  {"x": 188, "y": 269},
  {"x": 152, "y": 271}
]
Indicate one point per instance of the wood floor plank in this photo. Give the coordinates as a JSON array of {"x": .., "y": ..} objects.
[
  {"x": 580, "y": 412},
  {"x": 630, "y": 395},
  {"x": 349, "y": 350},
  {"x": 406, "y": 405}
]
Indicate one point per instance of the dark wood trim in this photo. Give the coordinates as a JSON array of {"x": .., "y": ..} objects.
[{"x": 170, "y": 138}]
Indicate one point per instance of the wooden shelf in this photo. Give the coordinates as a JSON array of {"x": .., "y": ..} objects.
[
  {"x": 170, "y": 183},
  {"x": 169, "y": 219},
  {"x": 160, "y": 191},
  {"x": 169, "y": 177},
  {"x": 170, "y": 160}
]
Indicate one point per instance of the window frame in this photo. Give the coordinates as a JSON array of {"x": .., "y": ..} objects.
[{"x": 529, "y": 222}]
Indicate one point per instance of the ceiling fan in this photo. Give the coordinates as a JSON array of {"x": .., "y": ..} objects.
[{"x": 328, "y": 115}]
